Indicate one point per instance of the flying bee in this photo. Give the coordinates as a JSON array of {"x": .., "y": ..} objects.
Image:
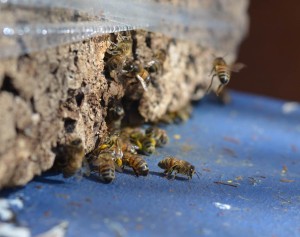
[
  {"x": 136, "y": 70},
  {"x": 105, "y": 166},
  {"x": 160, "y": 136},
  {"x": 223, "y": 72},
  {"x": 156, "y": 65},
  {"x": 172, "y": 164},
  {"x": 73, "y": 155},
  {"x": 137, "y": 163}
]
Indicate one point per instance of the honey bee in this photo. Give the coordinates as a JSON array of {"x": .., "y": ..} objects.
[
  {"x": 156, "y": 65},
  {"x": 114, "y": 117},
  {"x": 160, "y": 136},
  {"x": 127, "y": 146},
  {"x": 106, "y": 166},
  {"x": 137, "y": 71},
  {"x": 73, "y": 155},
  {"x": 113, "y": 147},
  {"x": 137, "y": 163},
  {"x": 145, "y": 144},
  {"x": 119, "y": 52},
  {"x": 123, "y": 47},
  {"x": 172, "y": 164},
  {"x": 223, "y": 72}
]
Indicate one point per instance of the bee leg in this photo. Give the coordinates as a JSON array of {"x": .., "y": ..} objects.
[
  {"x": 219, "y": 89},
  {"x": 212, "y": 71},
  {"x": 212, "y": 80},
  {"x": 171, "y": 172},
  {"x": 166, "y": 173},
  {"x": 136, "y": 173},
  {"x": 174, "y": 175}
]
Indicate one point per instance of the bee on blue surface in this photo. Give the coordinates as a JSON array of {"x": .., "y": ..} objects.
[
  {"x": 73, "y": 154},
  {"x": 160, "y": 136},
  {"x": 136, "y": 162},
  {"x": 223, "y": 71},
  {"x": 172, "y": 164},
  {"x": 145, "y": 144},
  {"x": 106, "y": 166}
]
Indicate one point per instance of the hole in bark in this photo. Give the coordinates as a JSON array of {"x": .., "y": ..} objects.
[
  {"x": 69, "y": 125},
  {"x": 32, "y": 105},
  {"x": 9, "y": 86},
  {"x": 134, "y": 44},
  {"x": 79, "y": 98},
  {"x": 148, "y": 40}
]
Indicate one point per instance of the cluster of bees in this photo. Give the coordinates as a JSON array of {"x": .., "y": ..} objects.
[
  {"x": 123, "y": 149},
  {"x": 120, "y": 62}
]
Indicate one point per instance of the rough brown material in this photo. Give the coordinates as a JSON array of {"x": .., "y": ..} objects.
[{"x": 50, "y": 97}]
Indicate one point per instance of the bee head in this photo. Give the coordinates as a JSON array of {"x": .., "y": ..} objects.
[
  {"x": 133, "y": 67},
  {"x": 144, "y": 170},
  {"x": 191, "y": 171},
  {"x": 161, "y": 165}
]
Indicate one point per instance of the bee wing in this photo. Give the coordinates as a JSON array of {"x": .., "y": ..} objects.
[
  {"x": 149, "y": 64},
  {"x": 237, "y": 67},
  {"x": 141, "y": 80},
  {"x": 118, "y": 168}
]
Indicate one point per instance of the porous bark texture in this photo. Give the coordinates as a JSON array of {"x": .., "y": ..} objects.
[{"x": 51, "y": 97}]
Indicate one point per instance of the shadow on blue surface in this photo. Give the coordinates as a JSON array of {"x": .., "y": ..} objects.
[{"x": 247, "y": 143}]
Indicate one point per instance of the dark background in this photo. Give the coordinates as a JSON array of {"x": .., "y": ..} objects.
[{"x": 271, "y": 50}]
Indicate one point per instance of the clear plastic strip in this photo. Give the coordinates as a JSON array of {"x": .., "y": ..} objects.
[{"x": 114, "y": 16}]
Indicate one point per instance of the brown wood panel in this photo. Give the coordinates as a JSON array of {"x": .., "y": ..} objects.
[{"x": 271, "y": 51}]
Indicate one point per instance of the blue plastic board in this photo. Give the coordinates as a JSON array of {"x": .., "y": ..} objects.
[{"x": 252, "y": 143}]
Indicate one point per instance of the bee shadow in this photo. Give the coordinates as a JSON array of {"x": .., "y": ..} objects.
[
  {"x": 96, "y": 178},
  {"x": 129, "y": 172},
  {"x": 162, "y": 175},
  {"x": 45, "y": 180}
]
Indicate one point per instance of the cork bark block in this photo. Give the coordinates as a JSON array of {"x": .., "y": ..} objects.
[{"x": 50, "y": 97}]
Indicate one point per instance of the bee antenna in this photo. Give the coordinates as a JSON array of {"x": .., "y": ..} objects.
[
  {"x": 214, "y": 55},
  {"x": 225, "y": 55},
  {"x": 198, "y": 174}
]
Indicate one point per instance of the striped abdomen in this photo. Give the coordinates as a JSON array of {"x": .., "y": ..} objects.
[
  {"x": 106, "y": 167},
  {"x": 137, "y": 163},
  {"x": 223, "y": 73},
  {"x": 148, "y": 145},
  {"x": 168, "y": 163},
  {"x": 160, "y": 136}
]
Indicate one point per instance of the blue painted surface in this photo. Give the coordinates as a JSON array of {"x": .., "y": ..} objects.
[{"x": 251, "y": 137}]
